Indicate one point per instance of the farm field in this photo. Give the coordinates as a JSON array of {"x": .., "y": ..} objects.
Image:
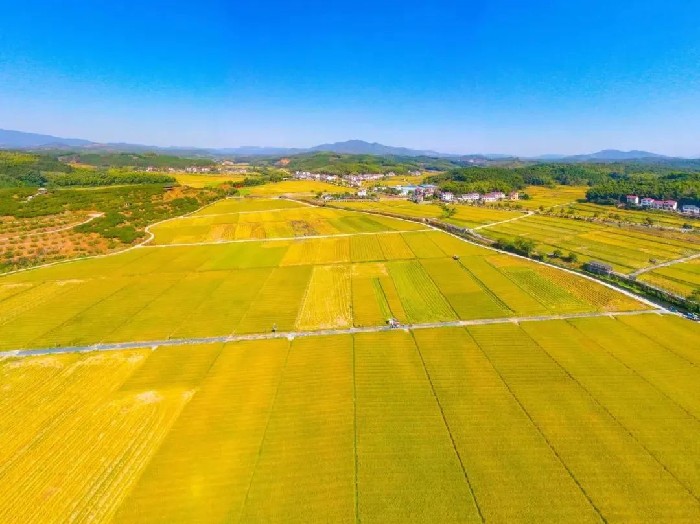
[
  {"x": 682, "y": 279},
  {"x": 659, "y": 218},
  {"x": 206, "y": 180},
  {"x": 466, "y": 216},
  {"x": 623, "y": 248},
  {"x": 547, "y": 421},
  {"x": 552, "y": 196},
  {"x": 184, "y": 291},
  {"x": 249, "y": 218},
  {"x": 306, "y": 187}
]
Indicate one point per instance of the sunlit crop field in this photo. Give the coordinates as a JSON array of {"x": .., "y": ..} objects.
[
  {"x": 248, "y": 219},
  {"x": 466, "y": 216},
  {"x": 585, "y": 420},
  {"x": 305, "y": 187},
  {"x": 206, "y": 180},
  {"x": 681, "y": 279},
  {"x": 552, "y": 196},
  {"x": 623, "y": 248},
  {"x": 659, "y": 218},
  {"x": 361, "y": 279}
]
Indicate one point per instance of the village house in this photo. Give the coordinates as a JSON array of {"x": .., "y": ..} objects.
[
  {"x": 494, "y": 196},
  {"x": 362, "y": 193},
  {"x": 647, "y": 202},
  {"x": 428, "y": 189},
  {"x": 667, "y": 205},
  {"x": 633, "y": 199},
  {"x": 470, "y": 197},
  {"x": 447, "y": 196},
  {"x": 691, "y": 210},
  {"x": 599, "y": 268},
  {"x": 513, "y": 195},
  {"x": 406, "y": 190}
]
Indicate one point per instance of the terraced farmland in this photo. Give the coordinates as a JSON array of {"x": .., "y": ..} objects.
[
  {"x": 183, "y": 291},
  {"x": 553, "y": 421}
]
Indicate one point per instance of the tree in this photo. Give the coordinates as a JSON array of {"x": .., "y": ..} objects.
[
  {"x": 448, "y": 211},
  {"x": 573, "y": 257},
  {"x": 557, "y": 253}
]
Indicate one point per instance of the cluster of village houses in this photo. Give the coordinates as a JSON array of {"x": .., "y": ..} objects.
[
  {"x": 419, "y": 193},
  {"x": 353, "y": 180},
  {"x": 666, "y": 205}
]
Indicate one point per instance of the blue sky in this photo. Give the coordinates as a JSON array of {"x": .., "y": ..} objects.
[{"x": 520, "y": 77}]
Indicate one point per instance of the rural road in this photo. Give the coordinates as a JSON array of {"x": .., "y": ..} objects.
[
  {"x": 297, "y": 334},
  {"x": 665, "y": 264},
  {"x": 529, "y": 213},
  {"x": 279, "y": 239}
]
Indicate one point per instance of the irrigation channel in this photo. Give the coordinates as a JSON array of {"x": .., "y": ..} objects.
[{"x": 297, "y": 334}]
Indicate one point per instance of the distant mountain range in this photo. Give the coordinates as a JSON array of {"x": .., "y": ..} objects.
[{"x": 21, "y": 140}]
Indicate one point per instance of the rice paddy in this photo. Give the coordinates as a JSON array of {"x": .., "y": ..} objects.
[
  {"x": 682, "y": 279},
  {"x": 547, "y": 197},
  {"x": 625, "y": 249},
  {"x": 466, "y": 216},
  {"x": 550, "y": 421},
  {"x": 165, "y": 292},
  {"x": 546, "y": 420}
]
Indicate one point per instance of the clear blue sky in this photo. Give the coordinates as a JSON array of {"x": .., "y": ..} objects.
[{"x": 510, "y": 76}]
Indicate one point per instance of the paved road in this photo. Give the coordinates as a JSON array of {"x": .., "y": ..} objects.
[
  {"x": 665, "y": 264},
  {"x": 297, "y": 334}
]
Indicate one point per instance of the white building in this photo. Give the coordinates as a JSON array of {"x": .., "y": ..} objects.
[
  {"x": 691, "y": 210},
  {"x": 447, "y": 196}
]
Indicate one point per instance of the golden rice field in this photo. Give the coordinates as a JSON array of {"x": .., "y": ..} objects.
[
  {"x": 659, "y": 218},
  {"x": 586, "y": 420},
  {"x": 623, "y": 248},
  {"x": 552, "y": 196},
  {"x": 682, "y": 279},
  {"x": 385, "y": 268},
  {"x": 206, "y": 180},
  {"x": 249, "y": 219},
  {"x": 285, "y": 187},
  {"x": 467, "y": 215}
]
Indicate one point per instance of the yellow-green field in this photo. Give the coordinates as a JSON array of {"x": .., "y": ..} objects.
[
  {"x": 249, "y": 218},
  {"x": 379, "y": 268},
  {"x": 206, "y": 180},
  {"x": 512, "y": 392},
  {"x": 682, "y": 279},
  {"x": 659, "y": 218},
  {"x": 302, "y": 187},
  {"x": 466, "y": 216},
  {"x": 554, "y": 421},
  {"x": 625, "y": 249},
  {"x": 552, "y": 196}
]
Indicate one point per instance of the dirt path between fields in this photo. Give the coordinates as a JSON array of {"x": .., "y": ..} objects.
[
  {"x": 665, "y": 264},
  {"x": 529, "y": 213},
  {"x": 321, "y": 332}
]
